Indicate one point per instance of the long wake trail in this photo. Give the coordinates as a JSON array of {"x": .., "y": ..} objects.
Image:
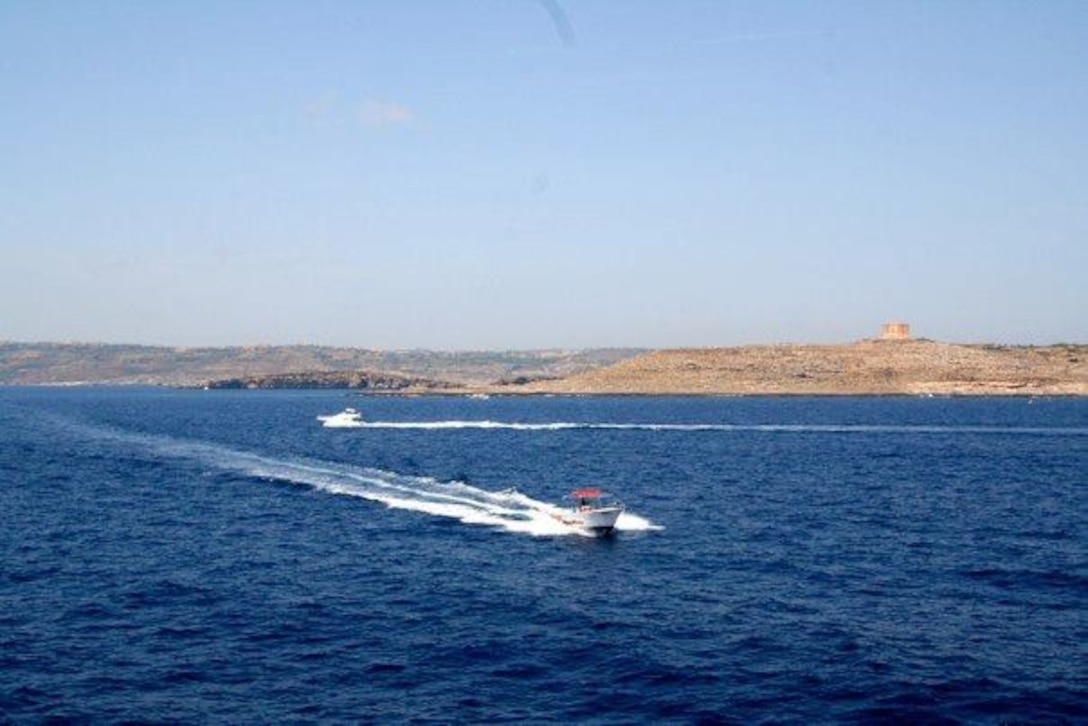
[
  {"x": 727, "y": 428},
  {"x": 507, "y": 510}
]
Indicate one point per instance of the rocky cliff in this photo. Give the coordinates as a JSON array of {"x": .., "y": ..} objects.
[{"x": 357, "y": 380}]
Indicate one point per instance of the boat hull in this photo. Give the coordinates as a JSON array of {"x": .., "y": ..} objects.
[
  {"x": 596, "y": 521},
  {"x": 346, "y": 419}
]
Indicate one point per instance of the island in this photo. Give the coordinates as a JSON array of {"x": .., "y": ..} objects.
[
  {"x": 884, "y": 366},
  {"x": 867, "y": 367}
]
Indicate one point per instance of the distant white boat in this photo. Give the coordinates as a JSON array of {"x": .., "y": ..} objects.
[
  {"x": 591, "y": 510},
  {"x": 346, "y": 419}
]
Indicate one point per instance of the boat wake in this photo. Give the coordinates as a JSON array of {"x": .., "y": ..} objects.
[
  {"x": 764, "y": 428},
  {"x": 507, "y": 510}
]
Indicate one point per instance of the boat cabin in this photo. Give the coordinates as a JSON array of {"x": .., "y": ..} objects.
[{"x": 586, "y": 498}]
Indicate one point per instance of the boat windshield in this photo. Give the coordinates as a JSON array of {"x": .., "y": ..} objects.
[{"x": 590, "y": 499}]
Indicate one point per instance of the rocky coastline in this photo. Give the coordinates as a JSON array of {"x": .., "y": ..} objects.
[
  {"x": 363, "y": 381},
  {"x": 868, "y": 367}
]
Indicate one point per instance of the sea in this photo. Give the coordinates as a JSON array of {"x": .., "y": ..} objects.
[{"x": 187, "y": 556}]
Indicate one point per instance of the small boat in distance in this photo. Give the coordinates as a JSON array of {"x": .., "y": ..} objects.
[
  {"x": 592, "y": 510},
  {"x": 346, "y": 419}
]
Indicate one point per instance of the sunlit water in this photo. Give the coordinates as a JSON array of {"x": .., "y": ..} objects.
[{"x": 221, "y": 556}]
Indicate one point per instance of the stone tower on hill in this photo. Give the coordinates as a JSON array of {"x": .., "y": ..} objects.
[{"x": 895, "y": 331}]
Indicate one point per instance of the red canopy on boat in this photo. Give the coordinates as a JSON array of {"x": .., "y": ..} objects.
[{"x": 586, "y": 493}]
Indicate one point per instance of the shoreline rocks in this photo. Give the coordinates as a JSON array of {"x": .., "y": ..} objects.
[{"x": 868, "y": 367}]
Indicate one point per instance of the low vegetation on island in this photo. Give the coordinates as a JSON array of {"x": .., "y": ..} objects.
[
  {"x": 287, "y": 366},
  {"x": 867, "y": 367}
]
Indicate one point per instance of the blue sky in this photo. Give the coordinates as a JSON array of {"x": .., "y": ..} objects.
[{"x": 500, "y": 174}]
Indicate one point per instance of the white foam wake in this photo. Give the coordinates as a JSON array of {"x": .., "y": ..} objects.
[
  {"x": 507, "y": 510},
  {"x": 764, "y": 428}
]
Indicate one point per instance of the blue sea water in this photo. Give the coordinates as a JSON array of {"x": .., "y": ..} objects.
[{"x": 191, "y": 556}]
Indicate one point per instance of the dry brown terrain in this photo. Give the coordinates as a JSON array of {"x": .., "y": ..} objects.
[{"x": 866, "y": 367}]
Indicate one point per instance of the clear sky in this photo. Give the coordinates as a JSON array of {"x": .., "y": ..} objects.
[{"x": 501, "y": 174}]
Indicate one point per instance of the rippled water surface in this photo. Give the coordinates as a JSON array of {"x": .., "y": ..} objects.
[{"x": 220, "y": 556}]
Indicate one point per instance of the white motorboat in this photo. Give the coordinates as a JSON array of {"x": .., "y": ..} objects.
[
  {"x": 591, "y": 510},
  {"x": 346, "y": 419}
]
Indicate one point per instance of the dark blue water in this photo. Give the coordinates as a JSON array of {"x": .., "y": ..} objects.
[{"x": 219, "y": 556}]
